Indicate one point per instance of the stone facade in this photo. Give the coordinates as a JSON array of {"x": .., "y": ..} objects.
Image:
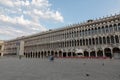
[
  {"x": 1, "y": 47},
  {"x": 92, "y": 39}
]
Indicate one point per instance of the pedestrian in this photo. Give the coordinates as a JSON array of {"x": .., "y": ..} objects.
[{"x": 51, "y": 58}]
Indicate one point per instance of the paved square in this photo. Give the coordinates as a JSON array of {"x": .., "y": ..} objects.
[{"x": 60, "y": 69}]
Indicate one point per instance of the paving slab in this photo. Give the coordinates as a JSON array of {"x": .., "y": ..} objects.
[{"x": 59, "y": 69}]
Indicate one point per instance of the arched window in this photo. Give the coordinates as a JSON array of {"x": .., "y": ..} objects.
[
  {"x": 93, "y": 41},
  {"x": 111, "y": 28},
  {"x": 106, "y": 29},
  {"x": 115, "y": 27},
  {"x": 104, "y": 40},
  {"x": 92, "y": 31},
  {"x": 100, "y": 40},
  {"x": 89, "y": 41},
  {"x": 86, "y": 32},
  {"x": 116, "y": 39},
  {"x": 80, "y": 42},
  {"x": 99, "y": 30},
  {"x": 89, "y": 31},
  {"x": 103, "y": 29},
  {"x": 108, "y": 39},
  {"x": 77, "y": 42},
  {"x": 83, "y": 41},
  {"x": 96, "y": 41},
  {"x": 86, "y": 41},
  {"x": 96, "y": 31},
  {"x": 112, "y": 39}
]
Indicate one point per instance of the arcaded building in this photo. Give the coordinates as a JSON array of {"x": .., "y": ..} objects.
[{"x": 98, "y": 38}]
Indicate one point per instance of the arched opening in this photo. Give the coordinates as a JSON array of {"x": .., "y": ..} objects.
[
  {"x": 28, "y": 55},
  {"x": 60, "y": 53},
  {"x": 108, "y": 40},
  {"x": 92, "y": 54},
  {"x": 116, "y": 39},
  {"x": 45, "y": 54},
  {"x": 77, "y": 42},
  {"x": 52, "y": 53},
  {"x": 100, "y": 40},
  {"x": 0, "y": 54},
  {"x": 69, "y": 54},
  {"x": 104, "y": 40},
  {"x": 38, "y": 54},
  {"x": 100, "y": 53},
  {"x": 116, "y": 53},
  {"x": 93, "y": 41},
  {"x": 83, "y": 42},
  {"x": 86, "y": 41},
  {"x": 48, "y": 53},
  {"x": 96, "y": 41},
  {"x": 64, "y": 54},
  {"x": 107, "y": 52},
  {"x": 115, "y": 27},
  {"x": 31, "y": 55},
  {"x": 42, "y": 54},
  {"x": 56, "y": 54},
  {"x": 73, "y": 54},
  {"x": 89, "y": 41},
  {"x": 86, "y": 54},
  {"x": 112, "y": 39}
]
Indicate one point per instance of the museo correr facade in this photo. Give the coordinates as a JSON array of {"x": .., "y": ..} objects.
[{"x": 98, "y": 38}]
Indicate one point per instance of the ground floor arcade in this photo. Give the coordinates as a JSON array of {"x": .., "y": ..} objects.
[{"x": 102, "y": 53}]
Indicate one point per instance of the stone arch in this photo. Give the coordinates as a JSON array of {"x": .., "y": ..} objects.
[
  {"x": 56, "y": 54},
  {"x": 42, "y": 54},
  {"x": 99, "y": 53},
  {"x": 93, "y": 41},
  {"x": 38, "y": 54},
  {"x": 92, "y": 54},
  {"x": 104, "y": 40},
  {"x": 86, "y": 54},
  {"x": 116, "y": 39},
  {"x": 99, "y": 30},
  {"x": 108, "y": 40},
  {"x": 69, "y": 54},
  {"x": 45, "y": 54},
  {"x": 48, "y": 53},
  {"x": 60, "y": 53},
  {"x": 83, "y": 42},
  {"x": 107, "y": 52},
  {"x": 106, "y": 29},
  {"x": 86, "y": 41},
  {"x": 116, "y": 52},
  {"x": 64, "y": 54},
  {"x": 52, "y": 53},
  {"x": 31, "y": 56},
  {"x": 77, "y": 42},
  {"x": 112, "y": 39},
  {"x": 96, "y": 39},
  {"x": 90, "y": 41},
  {"x": 100, "y": 40}
]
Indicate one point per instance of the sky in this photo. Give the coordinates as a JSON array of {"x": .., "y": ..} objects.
[{"x": 25, "y": 17}]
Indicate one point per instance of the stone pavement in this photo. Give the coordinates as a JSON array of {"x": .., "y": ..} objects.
[{"x": 60, "y": 69}]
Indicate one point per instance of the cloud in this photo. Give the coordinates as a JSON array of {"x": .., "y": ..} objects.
[{"x": 23, "y": 17}]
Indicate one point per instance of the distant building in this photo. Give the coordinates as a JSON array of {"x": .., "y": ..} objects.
[
  {"x": 93, "y": 39},
  {"x": 1, "y": 47}
]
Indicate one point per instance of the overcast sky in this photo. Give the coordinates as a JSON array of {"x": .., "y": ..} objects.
[{"x": 25, "y": 17}]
